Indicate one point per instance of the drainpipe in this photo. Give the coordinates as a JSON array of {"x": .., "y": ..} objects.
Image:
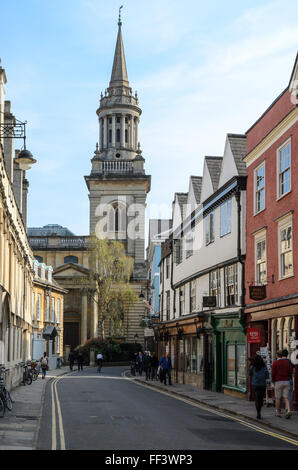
[{"x": 174, "y": 309}]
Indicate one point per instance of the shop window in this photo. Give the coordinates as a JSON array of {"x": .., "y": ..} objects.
[
  {"x": 181, "y": 354},
  {"x": 200, "y": 354},
  {"x": 194, "y": 354},
  {"x": 236, "y": 365},
  {"x": 187, "y": 355},
  {"x": 173, "y": 353}
]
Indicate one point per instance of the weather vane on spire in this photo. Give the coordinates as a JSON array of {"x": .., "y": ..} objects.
[{"x": 119, "y": 20}]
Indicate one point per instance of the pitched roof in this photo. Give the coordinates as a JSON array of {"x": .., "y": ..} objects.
[
  {"x": 119, "y": 72},
  {"x": 182, "y": 201},
  {"x": 238, "y": 147},
  {"x": 214, "y": 167},
  {"x": 196, "y": 182},
  {"x": 48, "y": 230}
]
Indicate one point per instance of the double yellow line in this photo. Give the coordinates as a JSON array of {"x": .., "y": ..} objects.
[
  {"x": 220, "y": 413},
  {"x": 56, "y": 405}
]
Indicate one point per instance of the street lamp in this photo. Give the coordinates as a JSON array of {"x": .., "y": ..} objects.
[{"x": 25, "y": 160}]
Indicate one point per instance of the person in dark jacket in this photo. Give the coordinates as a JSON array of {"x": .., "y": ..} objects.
[
  {"x": 259, "y": 373},
  {"x": 154, "y": 366},
  {"x": 71, "y": 360},
  {"x": 166, "y": 368},
  {"x": 80, "y": 360},
  {"x": 147, "y": 364},
  {"x": 139, "y": 362}
]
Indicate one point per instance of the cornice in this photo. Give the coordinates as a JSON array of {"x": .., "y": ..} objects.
[{"x": 273, "y": 135}]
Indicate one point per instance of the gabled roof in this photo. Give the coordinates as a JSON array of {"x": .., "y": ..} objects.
[
  {"x": 238, "y": 147},
  {"x": 214, "y": 167},
  {"x": 182, "y": 201},
  {"x": 196, "y": 182},
  {"x": 294, "y": 75},
  {"x": 65, "y": 267}
]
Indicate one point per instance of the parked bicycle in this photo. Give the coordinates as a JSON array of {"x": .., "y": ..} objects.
[
  {"x": 27, "y": 376},
  {"x": 34, "y": 370},
  {"x": 5, "y": 398}
]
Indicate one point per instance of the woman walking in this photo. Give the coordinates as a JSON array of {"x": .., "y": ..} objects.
[
  {"x": 259, "y": 373},
  {"x": 44, "y": 364}
]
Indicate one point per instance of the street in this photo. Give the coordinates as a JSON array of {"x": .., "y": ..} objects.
[{"x": 107, "y": 411}]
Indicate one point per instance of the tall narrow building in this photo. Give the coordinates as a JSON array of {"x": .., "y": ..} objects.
[{"x": 118, "y": 184}]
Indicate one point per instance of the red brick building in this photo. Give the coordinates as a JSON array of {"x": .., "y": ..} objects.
[{"x": 272, "y": 226}]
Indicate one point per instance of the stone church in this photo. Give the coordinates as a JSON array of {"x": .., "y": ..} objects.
[{"x": 118, "y": 186}]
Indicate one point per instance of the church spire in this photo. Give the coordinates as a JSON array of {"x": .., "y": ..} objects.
[{"x": 119, "y": 72}]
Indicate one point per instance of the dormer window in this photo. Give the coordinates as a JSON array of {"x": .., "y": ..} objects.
[
  {"x": 42, "y": 271},
  {"x": 50, "y": 273},
  {"x": 35, "y": 267}
]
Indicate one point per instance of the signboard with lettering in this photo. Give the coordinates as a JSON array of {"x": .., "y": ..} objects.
[
  {"x": 209, "y": 301},
  {"x": 253, "y": 335},
  {"x": 257, "y": 292}
]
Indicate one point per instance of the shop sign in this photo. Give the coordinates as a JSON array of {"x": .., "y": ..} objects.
[
  {"x": 253, "y": 335},
  {"x": 209, "y": 301},
  {"x": 257, "y": 292}
]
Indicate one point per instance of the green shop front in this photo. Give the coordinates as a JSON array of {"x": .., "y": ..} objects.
[{"x": 230, "y": 376}]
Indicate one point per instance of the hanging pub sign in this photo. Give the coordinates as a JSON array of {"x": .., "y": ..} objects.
[
  {"x": 257, "y": 292},
  {"x": 209, "y": 301},
  {"x": 253, "y": 335}
]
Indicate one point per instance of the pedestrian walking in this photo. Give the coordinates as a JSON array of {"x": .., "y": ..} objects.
[
  {"x": 166, "y": 369},
  {"x": 285, "y": 354},
  {"x": 44, "y": 361},
  {"x": 139, "y": 362},
  {"x": 80, "y": 360},
  {"x": 71, "y": 359},
  {"x": 99, "y": 358},
  {"x": 147, "y": 364},
  {"x": 282, "y": 371},
  {"x": 154, "y": 366},
  {"x": 259, "y": 373}
]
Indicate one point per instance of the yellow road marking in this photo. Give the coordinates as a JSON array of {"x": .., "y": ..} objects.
[
  {"x": 61, "y": 430},
  {"x": 220, "y": 413},
  {"x": 54, "y": 443}
]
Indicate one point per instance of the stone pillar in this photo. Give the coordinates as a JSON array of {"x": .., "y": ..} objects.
[
  {"x": 100, "y": 134},
  {"x": 113, "y": 130},
  {"x": 131, "y": 137},
  {"x": 94, "y": 316},
  {"x": 84, "y": 318},
  {"x": 136, "y": 134},
  {"x": 123, "y": 130},
  {"x": 105, "y": 131}
]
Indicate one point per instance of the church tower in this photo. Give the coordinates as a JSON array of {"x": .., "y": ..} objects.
[{"x": 117, "y": 184}]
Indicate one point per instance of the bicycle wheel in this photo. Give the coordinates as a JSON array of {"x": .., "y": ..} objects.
[
  {"x": 34, "y": 375},
  {"x": 24, "y": 378},
  {"x": 8, "y": 401},
  {"x": 2, "y": 408},
  {"x": 29, "y": 379}
]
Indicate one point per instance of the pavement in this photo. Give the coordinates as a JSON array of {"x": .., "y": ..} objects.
[
  {"x": 231, "y": 405},
  {"x": 19, "y": 427}
]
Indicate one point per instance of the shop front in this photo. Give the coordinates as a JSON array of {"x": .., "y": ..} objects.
[
  {"x": 185, "y": 342},
  {"x": 229, "y": 354},
  {"x": 277, "y": 324}
]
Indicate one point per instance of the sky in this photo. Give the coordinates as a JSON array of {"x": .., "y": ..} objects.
[{"x": 201, "y": 69}]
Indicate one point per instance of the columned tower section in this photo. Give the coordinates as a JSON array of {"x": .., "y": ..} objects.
[{"x": 117, "y": 184}]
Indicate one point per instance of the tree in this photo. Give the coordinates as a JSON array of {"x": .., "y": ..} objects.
[{"x": 108, "y": 283}]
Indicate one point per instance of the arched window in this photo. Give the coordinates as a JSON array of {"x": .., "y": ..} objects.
[
  {"x": 71, "y": 259},
  {"x": 117, "y": 218},
  {"x": 39, "y": 259}
]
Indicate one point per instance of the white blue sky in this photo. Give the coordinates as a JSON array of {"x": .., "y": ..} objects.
[{"x": 201, "y": 69}]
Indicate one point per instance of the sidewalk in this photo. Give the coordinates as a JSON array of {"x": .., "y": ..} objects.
[
  {"x": 234, "y": 406},
  {"x": 19, "y": 427}
]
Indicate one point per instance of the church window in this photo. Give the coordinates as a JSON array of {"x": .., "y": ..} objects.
[
  {"x": 126, "y": 135},
  {"x": 126, "y": 120},
  {"x": 117, "y": 218},
  {"x": 118, "y": 155},
  {"x": 110, "y": 120},
  {"x": 118, "y": 135},
  {"x": 118, "y": 120},
  {"x": 71, "y": 259},
  {"x": 110, "y": 135}
]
